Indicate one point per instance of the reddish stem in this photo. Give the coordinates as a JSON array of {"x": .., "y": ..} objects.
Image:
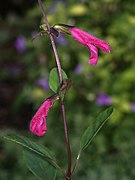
[
  {"x": 68, "y": 175},
  {"x": 52, "y": 42},
  {"x": 44, "y": 14},
  {"x": 57, "y": 59}
]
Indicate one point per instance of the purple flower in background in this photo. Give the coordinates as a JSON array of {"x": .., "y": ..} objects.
[
  {"x": 20, "y": 44},
  {"x": 133, "y": 107},
  {"x": 43, "y": 83},
  {"x": 52, "y": 9},
  {"x": 14, "y": 69},
  {"x": 78, "y": 68},
  {"x": 103, "y": 100},
  {"x": 62, "y": 40}
]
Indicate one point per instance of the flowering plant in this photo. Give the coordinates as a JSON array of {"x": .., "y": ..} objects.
[{"x": 39, "y": 159}]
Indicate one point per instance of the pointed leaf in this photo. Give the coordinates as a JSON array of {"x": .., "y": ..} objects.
[
  {"x": 94, "y": 128},
  {"x": 38, "y": 165},
  {"x": 54, "y": 82},
  {"x": 31, "y": 145}
]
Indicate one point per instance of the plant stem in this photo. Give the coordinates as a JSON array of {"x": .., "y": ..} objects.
[
  {"x": 57, "y": 59},
  {"x": 68, "y": 175},
  {"x": 52, "y": 42},
  {"x": 57, "y": 166},
  {"x": 76, "y": 163},
  {"x": 44, "y": 14}
]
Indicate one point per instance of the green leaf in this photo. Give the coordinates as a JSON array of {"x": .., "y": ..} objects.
[
  {"x": 39, "y": 166},
  {"x": 54, "y": 82},
  {"x": 31, "y": 145},
  {"x": 94, "y": 128}
]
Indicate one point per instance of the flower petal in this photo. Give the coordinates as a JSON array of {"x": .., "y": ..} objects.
[
  {"x": 38, "y": 122},
  {"x": 81, "y": 36},
  {"x": 93, "y": 54},
  {"x": 91, "y": 42},
  {"x": 102, "y": 45},
  {"x": 85, "y": 38},
  {"x": 38, "y": 126}
]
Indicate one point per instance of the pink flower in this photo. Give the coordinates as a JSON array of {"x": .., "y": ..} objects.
[
  {"x": 91, "y": 42},
  {"x": 38, "y": 122}
]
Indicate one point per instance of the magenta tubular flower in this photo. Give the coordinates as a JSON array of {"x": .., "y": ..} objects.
[
  {"x": 38, "y": 122},
  {"x": 91, "y": 42}
]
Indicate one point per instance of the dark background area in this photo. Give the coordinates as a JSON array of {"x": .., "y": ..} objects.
[{"x": 24, "y": 71}]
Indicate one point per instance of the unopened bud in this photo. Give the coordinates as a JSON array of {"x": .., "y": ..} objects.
[{"x": 63, "y": 28}]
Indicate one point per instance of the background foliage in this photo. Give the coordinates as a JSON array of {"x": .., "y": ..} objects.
[{"x": 24, "y": 68}]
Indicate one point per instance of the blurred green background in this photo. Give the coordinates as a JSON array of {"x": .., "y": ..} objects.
[{"x": 24, "y": 69}]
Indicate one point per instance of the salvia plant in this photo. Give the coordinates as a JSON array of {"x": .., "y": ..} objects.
[{"x": 39, "y": 159}]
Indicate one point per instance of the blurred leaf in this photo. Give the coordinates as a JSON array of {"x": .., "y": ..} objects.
[
  {"x": 29, "y": 144},
  {"x": 39, "y": 166},
  {"x": 78, "y": 10},
  {"x": 95, "y": 126},
  {"x": 54, "y": 79},
  {"x": 4, "y": 36}
]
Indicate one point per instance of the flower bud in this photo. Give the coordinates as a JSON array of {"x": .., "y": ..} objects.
[
  {"x": 63, "y": 28},
  {"x": 38, "y": 122}
]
